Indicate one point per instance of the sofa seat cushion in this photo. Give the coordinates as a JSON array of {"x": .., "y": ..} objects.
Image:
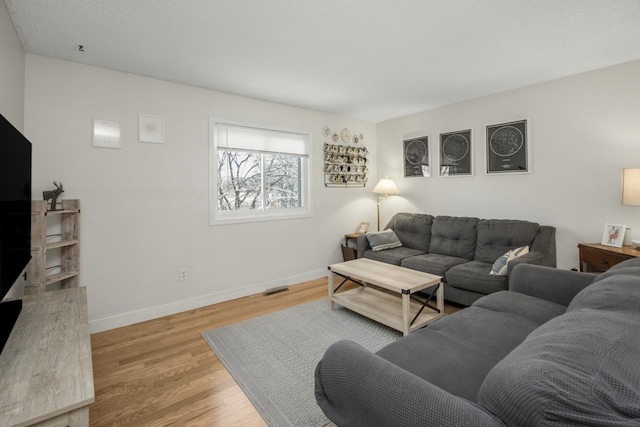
[
  {"x": 474, "y": 276},
  {"x": 432, "y": 263},
  {"x": 535, "y": 309},
  {"x": 497, "y": 236},
  {"x": 454, "y": 236},
  {"x": 580, "y": 368},
  {"x": 392, "y": 256},
  {"x": 456, "y": 352}
]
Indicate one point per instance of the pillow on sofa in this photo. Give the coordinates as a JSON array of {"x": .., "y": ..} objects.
[
  {"x": 381, "y": 240},
  {"x": 501, "y": 266}
]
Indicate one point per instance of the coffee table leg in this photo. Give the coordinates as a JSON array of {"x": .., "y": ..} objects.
[
  {"x": 330, "y": 281},
  {"x": 406, "y": 304},
  {"x": 440, "y": 298}
]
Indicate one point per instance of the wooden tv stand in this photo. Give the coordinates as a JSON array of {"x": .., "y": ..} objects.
[{"x": 46, "y": 374}]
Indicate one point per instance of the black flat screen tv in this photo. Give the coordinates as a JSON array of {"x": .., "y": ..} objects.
[{"x": 15, "y": 218}]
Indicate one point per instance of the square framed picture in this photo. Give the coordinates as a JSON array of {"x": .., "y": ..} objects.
[
  {"x": 105, "y": 133},
  {"x": 151, "y": 129},
  {"x": 613, "y": 235},
  {"x": 507, "y": 148},
  {"x": 416, "y": 157},
  {"x": 456, "y": 153}
]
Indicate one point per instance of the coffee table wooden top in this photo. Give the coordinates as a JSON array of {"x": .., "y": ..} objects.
[{"x": 387, "y": 276}]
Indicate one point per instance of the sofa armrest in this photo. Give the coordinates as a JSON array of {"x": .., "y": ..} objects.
[
  {"x": 362, "y": 245},
  {"x": 551, "y": 284},
  {"x": 355, "y": 387}
]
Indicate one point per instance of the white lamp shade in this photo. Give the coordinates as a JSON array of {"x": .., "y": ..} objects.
[
  {"x": 631, "y": 187},
  {"x": 385, "y": 186}
]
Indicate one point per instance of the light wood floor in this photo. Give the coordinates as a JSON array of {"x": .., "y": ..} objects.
[{"x": 163, "y": 373}]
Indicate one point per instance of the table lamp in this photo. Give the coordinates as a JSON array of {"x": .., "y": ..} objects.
[
  {"x": 631, "y": 187},
  {"x": 383, "y": 188}
]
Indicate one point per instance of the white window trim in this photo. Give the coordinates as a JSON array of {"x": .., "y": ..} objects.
[{"x": 238, "y": 217}]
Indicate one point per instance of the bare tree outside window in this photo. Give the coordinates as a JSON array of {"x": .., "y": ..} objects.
[{"x": 242, "y": 185}]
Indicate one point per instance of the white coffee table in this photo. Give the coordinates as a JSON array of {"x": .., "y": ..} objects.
[{"x": 396, "y": 309}]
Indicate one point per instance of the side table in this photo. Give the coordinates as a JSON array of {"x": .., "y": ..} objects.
[
  {"x": 350, "y": 252},
  {"x": 595, "y": 258}
]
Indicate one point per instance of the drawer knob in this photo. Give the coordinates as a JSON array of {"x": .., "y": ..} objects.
[{"x": 604, "y": 261}]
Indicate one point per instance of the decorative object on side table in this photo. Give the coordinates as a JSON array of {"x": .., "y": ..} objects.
[
  {"x": 613, "y": 235},
  {"x": 383, "y": 188},
  {"x": 51, "y": 196},
  {"x": 362, "y": 228}
]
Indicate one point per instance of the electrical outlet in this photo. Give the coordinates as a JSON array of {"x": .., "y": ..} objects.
[{"x": 183, "y": 274}]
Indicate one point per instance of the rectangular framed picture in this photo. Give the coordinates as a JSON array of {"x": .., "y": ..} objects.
[
  {"x": 362, "y": 228},
  {"x": 456, "y": 153},
  {"x": 507, "y": 148},
  {"x": 416, "y": 157},
  {"x": 613, "y": 235}
]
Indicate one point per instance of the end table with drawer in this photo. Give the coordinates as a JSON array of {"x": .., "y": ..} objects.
[{"x": 595, "y": 258}]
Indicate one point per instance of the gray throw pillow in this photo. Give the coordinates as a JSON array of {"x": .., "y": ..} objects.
[{"x": 381, "y": 240}]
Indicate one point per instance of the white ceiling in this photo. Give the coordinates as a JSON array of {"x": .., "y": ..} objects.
[{"x": 368, "y": 59}]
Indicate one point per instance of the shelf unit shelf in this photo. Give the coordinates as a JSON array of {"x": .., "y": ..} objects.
[{"x": 65, "y": 251}]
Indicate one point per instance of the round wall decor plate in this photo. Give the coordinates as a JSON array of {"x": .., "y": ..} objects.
[{"x": 345, "y": 135}]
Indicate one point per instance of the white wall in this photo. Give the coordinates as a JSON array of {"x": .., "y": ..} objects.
[
  {"x": 11, "y": 71},
  {"x": 144, "y": 207},
  {"x": 584, "y": 130}
]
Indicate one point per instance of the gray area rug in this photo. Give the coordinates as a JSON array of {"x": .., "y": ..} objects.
[{"x": 273, "y": 357}]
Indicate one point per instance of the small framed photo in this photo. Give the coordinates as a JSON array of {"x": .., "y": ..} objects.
[
  {"x": 416, "y": 157},
  {"x": 455, "y": 153},
  {"x": 613, "y": 235},
  {"x": 507, "y": 148},
  {"x": 362, "y": 228}
]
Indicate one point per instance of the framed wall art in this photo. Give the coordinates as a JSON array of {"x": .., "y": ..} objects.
[
  {"x": 507, "y": 149},
  {"x": 455, "y": 153},
  {"x": 613, "y": 235},
  {"x": 150, "y": 129},
  {"x": 416, "y": 157}
]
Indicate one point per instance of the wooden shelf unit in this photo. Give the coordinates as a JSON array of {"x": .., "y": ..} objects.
[{"x": 67, "y": 242}]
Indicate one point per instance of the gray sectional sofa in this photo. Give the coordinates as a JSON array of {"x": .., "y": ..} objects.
[
  {"x": 462, "y": 250},
  {"x": 559, "y": 348}
]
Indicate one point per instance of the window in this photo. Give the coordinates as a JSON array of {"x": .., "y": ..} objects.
[{"x": 257, "y": 174}]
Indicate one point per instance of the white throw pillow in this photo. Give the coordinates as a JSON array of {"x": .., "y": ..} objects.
[{"x": 501, "y": 266}]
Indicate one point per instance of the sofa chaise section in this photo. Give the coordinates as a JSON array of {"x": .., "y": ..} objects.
[{"x": 558, "y": 348}]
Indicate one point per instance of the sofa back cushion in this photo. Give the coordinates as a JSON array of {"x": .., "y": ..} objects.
[
  {"x": 619, "y": 293},
  {"x": 453, "y": 236},
  {"x": 413, "y": 230},
  {"x": 497, "y": 236},
  {"x": 580, "y": 368}
]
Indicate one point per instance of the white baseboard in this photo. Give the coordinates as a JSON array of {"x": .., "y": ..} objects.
[{"x": 125, "y": 319}]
